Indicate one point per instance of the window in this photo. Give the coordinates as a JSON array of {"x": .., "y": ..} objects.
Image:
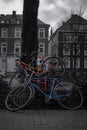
[
  {"x": 85, "y": 62},
  {"x": 67, "y": 62},
  {"x": 7, "y": 21},
  {"x": 66, "y": 49},
  {"x": 80, "y": 27},
  {"x": 18, "y": 21},
  {"x": 17, "y": 48},
  {"x": 85, "y": 50},
  {"x": 74, "y": 38},
  {"x": 81, "y": 38},
  {"x": 41, "y": 48},
  {"x": 4, "y": 32},
  {"x": 76, "y": 49},
  {"x": 3, "y": 48},
  {"x": 18, "y": 32},
  {"x": 85, "y": 27},
  {"x": 77, "y": 63},
  {"x": 2, "y": 21},
  {"x": 68, "y": 38},
  {"x": 41, "y": 32},
  {"x": 75, "y": 26}
]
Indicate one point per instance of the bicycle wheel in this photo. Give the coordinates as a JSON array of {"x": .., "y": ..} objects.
[
  {"x": 53, "y": 64},
  {"x": 18, "y": 78},
  {"x": 18, "y": 98},
  {"x": 73, "y": 101}
]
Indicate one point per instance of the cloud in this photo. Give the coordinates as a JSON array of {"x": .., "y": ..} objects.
[
  {"x": 50, "y": 11},
  {"x": 50, "y": 1},
  {"x": 83, "y": 2},
  {"x": 7, "y": 6},
  {"x": 8, "y": 1}
]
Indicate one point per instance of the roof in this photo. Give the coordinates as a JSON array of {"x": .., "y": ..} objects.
[
  {"x": 13, "y": 17},
  {"x": 41, "y": 22},
  {"x": 75, "y": 19}
]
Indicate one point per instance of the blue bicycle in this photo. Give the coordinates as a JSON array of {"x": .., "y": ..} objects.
[{"x": 66, "y": 93}]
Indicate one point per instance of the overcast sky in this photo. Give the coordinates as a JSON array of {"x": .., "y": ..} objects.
[{"x": 50, "y": 11}]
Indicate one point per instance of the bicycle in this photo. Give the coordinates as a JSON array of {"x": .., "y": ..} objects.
[
  {"x": 67, "y": 94},
  {"x": 47, "y": 65}
]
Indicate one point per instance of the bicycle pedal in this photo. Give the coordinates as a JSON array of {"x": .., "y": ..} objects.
[{"x": 47, "y": 100}]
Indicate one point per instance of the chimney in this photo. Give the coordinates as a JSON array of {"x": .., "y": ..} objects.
[
  {"x": 63, "y": 22},
  {"x": 14, "y": 13}
]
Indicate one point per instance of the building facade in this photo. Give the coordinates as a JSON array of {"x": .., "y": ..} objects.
[
  {"x": 11, "y": 39},
  {"x": 70, "y": 43}
]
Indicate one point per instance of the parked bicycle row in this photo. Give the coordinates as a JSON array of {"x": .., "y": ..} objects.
[{"x": 49, "y": 79}]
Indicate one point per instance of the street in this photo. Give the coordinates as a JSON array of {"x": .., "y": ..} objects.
[{"x": 43, "y": 120}]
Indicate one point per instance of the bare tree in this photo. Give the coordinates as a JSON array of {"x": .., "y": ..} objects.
[{"x": 80, "y": 11}]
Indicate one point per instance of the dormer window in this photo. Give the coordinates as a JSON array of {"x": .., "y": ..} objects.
[
  {"x": 18, "y": 21},
  {"x": 7, "y": 21},
  {"x": 2, "y": 21}
]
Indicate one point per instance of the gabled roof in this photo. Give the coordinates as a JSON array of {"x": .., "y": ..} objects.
[{"x": 75, "y": 19}]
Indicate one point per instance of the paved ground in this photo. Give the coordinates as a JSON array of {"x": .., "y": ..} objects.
[{"x": 43, "y": 120}]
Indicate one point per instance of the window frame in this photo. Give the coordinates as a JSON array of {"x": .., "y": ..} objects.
[
  {"x": 68, "y": 52},
  {"x": 7, "y": 21},
  {"x": 42, "y": 32},
  {"x": 43, "y": 44},
  {"x": 3, "y": 31},
  {"x": 17, "y": 44},
  {"x": 18, "y": 21},
  {"x": 19, "y": 32},
  {"x": 77, "y": 60},
  {"x": 2, "y": 47}
]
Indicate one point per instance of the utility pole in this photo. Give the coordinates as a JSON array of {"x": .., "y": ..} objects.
[{"x": 30, "y": 29}]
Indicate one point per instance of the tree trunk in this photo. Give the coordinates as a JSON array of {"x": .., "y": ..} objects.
[{"x": 30, "y": 29}]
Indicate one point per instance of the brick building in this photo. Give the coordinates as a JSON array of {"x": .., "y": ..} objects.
[
  {"x": 70, "y": 42},
  {"x": 10, "y": 40}
]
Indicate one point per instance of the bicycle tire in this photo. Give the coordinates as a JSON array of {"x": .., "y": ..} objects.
[
  {"x": 25, "y": 98},
  {"x": 74, "y": 101},
  {"x": 59, "y": 65}
]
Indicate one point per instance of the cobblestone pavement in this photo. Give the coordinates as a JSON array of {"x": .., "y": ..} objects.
[{"x": 43, "y": 120}]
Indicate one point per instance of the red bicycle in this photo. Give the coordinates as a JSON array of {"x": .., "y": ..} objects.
[{"x": 53, "y": 66}]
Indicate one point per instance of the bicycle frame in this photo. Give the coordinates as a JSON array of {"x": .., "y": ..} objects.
[
  {"x": 50, "y": 95},
  {"x": 37, "y": 69}
]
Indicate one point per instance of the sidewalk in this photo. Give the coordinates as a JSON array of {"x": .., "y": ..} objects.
[{"x": 43, "y": 120}]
